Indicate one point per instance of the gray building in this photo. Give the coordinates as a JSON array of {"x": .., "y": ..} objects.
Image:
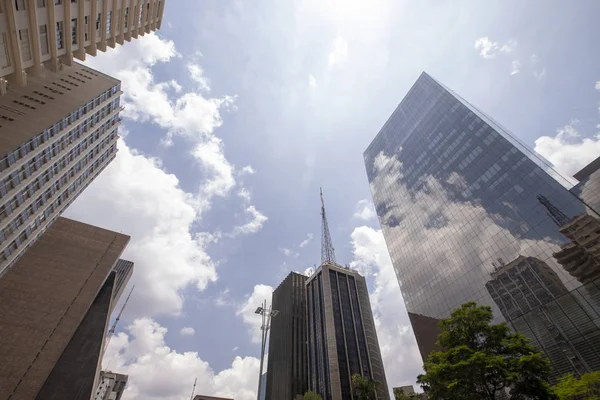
[
  {"x": 342, "y": 340},
  {"x": 469, "y": 213},
  {"x": 287, "y": 366},
  {"x": 111, "y": 386}
]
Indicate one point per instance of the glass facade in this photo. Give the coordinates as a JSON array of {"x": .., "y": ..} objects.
[{"x": 469, "y": 213}]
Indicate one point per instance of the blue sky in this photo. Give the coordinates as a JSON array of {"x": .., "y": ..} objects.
[{"x": 237, "y": 112}]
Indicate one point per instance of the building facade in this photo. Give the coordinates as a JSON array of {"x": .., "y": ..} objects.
[
  {"x": 41, "y": 35},
  {"x": 287, "y": 365},
  {"x": 342, "y": 340},
  {"x": 111, "y": 386},
  {"x": 471, "y": 214},
  {"x": 54, "y": 312}
]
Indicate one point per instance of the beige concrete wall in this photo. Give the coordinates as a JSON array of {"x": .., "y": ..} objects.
[{"x": 44, "y": 297}]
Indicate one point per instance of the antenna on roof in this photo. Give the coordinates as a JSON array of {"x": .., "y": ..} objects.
[{"x": 327, "y": 250}]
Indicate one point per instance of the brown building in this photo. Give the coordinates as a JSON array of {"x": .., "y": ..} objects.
[{"x": 54, "y": 308}]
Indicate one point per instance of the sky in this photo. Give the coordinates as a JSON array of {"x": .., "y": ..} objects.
[{"x": 237, "y": 112}]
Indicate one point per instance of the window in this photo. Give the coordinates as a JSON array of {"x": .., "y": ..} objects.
[
  {"x": 57, "y": 2},
  {"x": 74, "y": 31},
  {"x": 59, "y": 35},
  {"x": 158, "y": 9},
  {"x": 98, "y": 24},
  {"x": 126, "y": 16},
  {"x": 147, "y": 11},
  {"x": 24, "y": 44},
  {"x": 108, "y": 22},
  {"x": 20, "y": 5},
  {"x": 4, "y": 55},
  {"x": 41, "y": 3},
  {"x": 44, "y": 39},
  {"x": 86, "y": 27}
]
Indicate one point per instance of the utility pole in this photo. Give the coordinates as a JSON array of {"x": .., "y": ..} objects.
[{"x": 266, "y": 315}]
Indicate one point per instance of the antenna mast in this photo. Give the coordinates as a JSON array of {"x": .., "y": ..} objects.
[
  {"x": 193, "y": 389},
  {"x": 327, "y": 250},
  {"x": 554, "y": 212},
  {"x": 111, "y": 332}
]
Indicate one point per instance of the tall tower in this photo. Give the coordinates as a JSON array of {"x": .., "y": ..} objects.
[
  {"x": 58, "y": 119},
  {"x": 454, "y": 193},
  {"x": 342, "y": 340},
  {"x": 287, "y": 366}
]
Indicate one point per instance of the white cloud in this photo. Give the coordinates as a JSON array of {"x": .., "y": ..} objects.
[
  {"x": 534, "y": 59},
  {"x": 197, "y": 75},
  {"x": 339, "y": 53},
  {"x": 598, "y": 85},
  {"x": 567, "y": 150},
  {"x": 254, "y": 225},
  {"x": 135, "y": 196},
  {"x": 244, "y": 194},
  {"x": 288, "y": 252},
  {"x": 305, "y": 242},
  {"x": 187, "y": 331},
  {"x": 401, "y": 357},
  {"x": 486, "y": 47},
  {"x": 312, "y": 83},
  {"x": 365, "y": 210},
  {"x": 489, "y": 49},
  {"x": 515, "y": 68},
  {"x": 540, "y": 74},
  {"x": 247, "y": 170},
  {"x": 246, "y": 311},
  {"x": 235, "y": 348},
  {"x": 158, "y": 372}
]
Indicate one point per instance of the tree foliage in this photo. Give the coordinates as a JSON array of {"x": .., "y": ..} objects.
[
  {"x": 481, "y": 360},
  {"x": 311, "y": 396},
  {"x": 363, "y": 387},
  {"x": 585, "y": 388},
  {"x": 400, "y": 395}
]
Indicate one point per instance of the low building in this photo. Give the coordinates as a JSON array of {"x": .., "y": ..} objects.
[{"x": 111, "y": 386}]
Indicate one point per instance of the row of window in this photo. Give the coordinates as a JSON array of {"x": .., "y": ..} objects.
[
  {"x": 59, "y": 204},
  {"x": 11, "y": 158}
]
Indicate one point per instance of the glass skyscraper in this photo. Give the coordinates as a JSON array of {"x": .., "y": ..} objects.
[{"x": 469, "y": 213}]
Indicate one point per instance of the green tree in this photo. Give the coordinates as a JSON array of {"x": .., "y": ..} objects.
[
  {"x": 585, "y": 388},
  {"x": 481, "y": 360},
  {"x": 364, "y": 388},
  {"x": 311, "y": 396},
  {"x": 400, "y": 395}
]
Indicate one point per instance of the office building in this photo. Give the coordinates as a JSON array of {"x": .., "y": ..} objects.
[
  {"x": 40, "y": 36},
  {"x": 111, "y": 386},
  {"x": 54, "y": 312},
  {"x": 471, "y": 214},
  {"x": 287, "y": 367},
  {"x": 342, "y": 340}
]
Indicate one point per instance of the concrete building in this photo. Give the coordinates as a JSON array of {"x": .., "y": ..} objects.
[
  {"x": 342, "y": 340},
  {"x": 111, "y": 386},
  {"x": 54, "y": 311},
  {"x": 287, "y": 365},
  {"x": 124, "y": 271},
  {"x": 455, "y": 193},
  {"x": 57, "y": 134},
  {"x": 43, "y": 35}
]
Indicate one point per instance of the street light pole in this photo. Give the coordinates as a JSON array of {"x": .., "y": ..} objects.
[{"x": 266, "y": 315}]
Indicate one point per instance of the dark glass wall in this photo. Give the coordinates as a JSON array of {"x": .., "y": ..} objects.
[
  {"x": 318, "y": 359},
  {"x": 469, "y": 213}
]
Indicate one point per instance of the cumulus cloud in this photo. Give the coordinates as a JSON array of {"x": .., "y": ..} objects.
[
  {"x": 306, "y": 242},
  {"x": 197, "y": 75},
  {"x": 567, "y": 150},
  {"x": 515, "y": 67},
  {"x": 401, "y": 357},
  {"x": 158, "y": 372},
  {"x": 247, "y": 170},
  {"x": 489, "y": 49},
  {"x": 257, "y": 220},
  {"x": 187, "y": 331},
  {"x": 288, "y": 252},
  {"x": 253, "y": 301},
  {"x": 135, "y": 196},
  {"x": 244, "y": 194},
  {"x": 365, "y": 210},
  {"x": 339, "y": 53}
]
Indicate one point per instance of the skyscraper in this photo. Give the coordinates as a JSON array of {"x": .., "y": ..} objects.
[
  {"x": 342, "y": 340},
  {"x": 469, "y": 213},
  {"x": 111, "y": 386},
  {"x": 54, "y": 312},
  {"x": 58, "y": 119},
  {"x": 287, "y": 367}
]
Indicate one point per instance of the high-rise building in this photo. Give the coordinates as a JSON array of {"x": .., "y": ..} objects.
[
  {"x": 111, "y": 386},
  {"x": 201, "y": 397},
  {"x": 287, "y": 366},
  {"x": 471, "y": 214},
  {"x": 55, "y": 305},
  {"x": 58, "y": 119},
  {"x": 43, "y": 35},
  {"x": 342, "y": 340}
]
